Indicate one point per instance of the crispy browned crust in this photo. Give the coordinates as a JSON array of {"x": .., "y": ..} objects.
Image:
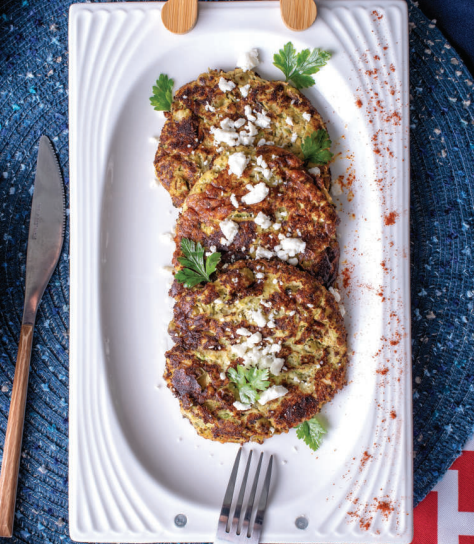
[
  {"x": 186, "y": 149},
  {"x": 313, "y": 343},
  {"x": 311, "y": 216}
]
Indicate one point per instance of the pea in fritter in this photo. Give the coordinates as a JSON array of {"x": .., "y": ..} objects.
[
  {"x": 257, "y": 314},
  {"x": 221, "y": 110}
]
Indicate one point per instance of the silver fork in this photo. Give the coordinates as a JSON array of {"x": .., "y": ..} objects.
[{"x": 237, "y": 531}]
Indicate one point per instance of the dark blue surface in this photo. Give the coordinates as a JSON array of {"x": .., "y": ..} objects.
[
  {"x": 455, "y": 18},
  {"x": 33, "y": 101}
]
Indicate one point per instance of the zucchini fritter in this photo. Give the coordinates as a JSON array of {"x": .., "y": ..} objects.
[
  {"x": 295, "y": 222},
  {"x": 196, "y": 127},
  {"x": 257, "y": 313}
]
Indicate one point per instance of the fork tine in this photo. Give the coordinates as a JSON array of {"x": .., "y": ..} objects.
[
  {"x": 227, "y": 502},
  {"x": 248, "y": 512},
  {"x": 262, "y": 505},
  {"x": 240, "y": 500}
]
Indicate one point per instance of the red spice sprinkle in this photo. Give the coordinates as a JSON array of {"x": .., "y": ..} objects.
[
  {"x": 359, "y": 103},
  {"x": 385, "y": 508},
  {"x": 365, "y": 457},
  {"x": 393, "y": 414},
  {"x": 392, "y": 68},
  {"x": 383, "y": 371},
  {"x": 391, "y": 218},
  {"x": 376, "y": 13},
  {"x": 376, "y": 57}
]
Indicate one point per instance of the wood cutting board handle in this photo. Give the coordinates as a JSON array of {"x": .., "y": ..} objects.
[{"x": 13, "y": 438}]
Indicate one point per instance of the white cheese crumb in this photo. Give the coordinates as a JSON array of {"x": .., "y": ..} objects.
[
  {"x": 258, "y": 317},
  {"x": 237, "y": 163},
  {"x": 225, "y": 85},
  {"x": 272, "y": 393},
  {"x": 248, "y": 113},
  {"x": 229, "y": 230},
  {"x": 243, "y": 332},
  {"x": 240, "y": 123},
  {"x": 241, "y": 406},
  {"x": 226, "y": 133},
  {"x": 263, "y": 220},
  {"x": 208, "y": 107},
  {"x": 294, "y": 137},
  {"x": 315, "y": 171},
  {"x": 167, "y": 237},
  {"x": 335, "y": 293},
  {"x": 289, "y": 121},
  {"x": 292, "y": 313},
  {"x": 259, "y": 276},
  {"x": 263, "y": 121},
  {"x": 293, "y": 261},
  {"x": 234, "y": 200},
  {"x": 257, "y": 194},
  {"x": 307, "y": 116},
  {"x": 293, "y": 246},
  {"x": 244, "y": 90},
  {"x": 222, "y": 376},
  {"x": 263, "y": 253},
  {"x": 261, "y": 142},
  {"x": 248, "y": 60},
  {"x": 277, "y": 226}
]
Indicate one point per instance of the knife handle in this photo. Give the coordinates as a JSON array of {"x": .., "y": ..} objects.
[{"x": 12, "y": 447}]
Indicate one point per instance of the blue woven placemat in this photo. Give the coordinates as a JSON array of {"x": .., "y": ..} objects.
[{"x": 33, "y": 101}]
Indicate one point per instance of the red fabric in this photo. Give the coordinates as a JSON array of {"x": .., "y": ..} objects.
[
  {"x": 466, "y": 539},
  {"x": 465, "y": 467},
  {"x": 425, "y": 519}
]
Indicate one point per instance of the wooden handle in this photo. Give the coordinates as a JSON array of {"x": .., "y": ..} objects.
[
  {"x": 298, "y": 14},
  {"x": 180, "y": 16},
  {"x": 12, "y": 447}
]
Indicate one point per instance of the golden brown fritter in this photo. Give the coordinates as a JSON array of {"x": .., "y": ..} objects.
[
  {"x": 295, "y": 211},
  {"x": 272, "y": 110},
  {"x": 258, "y": 313}
]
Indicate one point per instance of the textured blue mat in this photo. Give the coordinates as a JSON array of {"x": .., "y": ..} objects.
[{"x": 33, "y": 101}]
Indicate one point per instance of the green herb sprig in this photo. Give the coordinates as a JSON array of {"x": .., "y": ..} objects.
[
  {"x": 249, "y": 382},
  {"x": 162, "y": 93},
  {"x": 315, "y": 148},
  {"x": 298, "y": 67},
  {"x": 196, "y": 268},
  {"x": 311, "y": 432}
]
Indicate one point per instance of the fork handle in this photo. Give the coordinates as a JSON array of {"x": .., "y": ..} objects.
[{"x": 13, "y": 438}]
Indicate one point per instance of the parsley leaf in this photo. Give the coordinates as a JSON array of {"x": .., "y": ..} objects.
[
  {"x": 311, "y": 432},
  {"x": 196, "y": 270},
  {"x": 298, "y": 67},
  {"x": 162, "y": 93},
  {"x": 249, "y": 382},
  {"x": 315, "y": 148}
]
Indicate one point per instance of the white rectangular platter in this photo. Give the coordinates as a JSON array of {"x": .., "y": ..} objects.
[{"x": 135, "y": 463}]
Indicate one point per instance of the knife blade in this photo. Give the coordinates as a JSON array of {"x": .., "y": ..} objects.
[
  {"x": 46, "y": 234},
  {"x": 45, "y": 241}
]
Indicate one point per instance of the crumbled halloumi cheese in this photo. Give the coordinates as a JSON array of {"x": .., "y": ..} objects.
[
  {"x": 289, "y": 121},
  {"x": 242, "y": 407},
  {"x": 307, "y": 116},
  {"x": 315, "y": 171},
  {"x": 234, "y": 201},
  {"x": 229, "y": 229},
  {"x": 244, "y": 90},
  {"x": 263, "y": 121},
  {"x": 210, "y": 108},
  {"x": 225, "y": 85},
  {"x": 237, "y": 163},
  {"x": 248, "y": 60},
  {"x": 263, "y": 253},
  {"x": 263, "y": 220},
  {"x": 256, "y": 194},
  {"x": 272, "y": 393}
]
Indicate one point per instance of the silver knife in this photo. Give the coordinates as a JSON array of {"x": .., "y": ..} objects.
[{"x": 45, "y": 240}]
